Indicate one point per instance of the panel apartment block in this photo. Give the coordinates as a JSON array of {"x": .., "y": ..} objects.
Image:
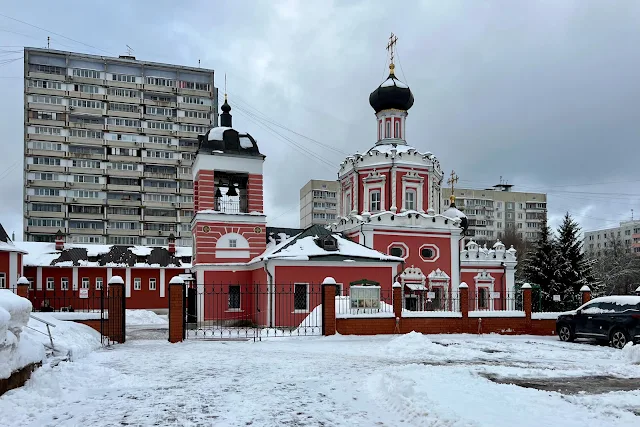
[
  {"x": 319, "y": 202},
  {"x": 109, "y": 144},
  {"x": 493, "y": 211}
]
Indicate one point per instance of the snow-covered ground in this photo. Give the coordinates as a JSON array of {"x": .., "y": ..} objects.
[{"x": 411, "y": 380}]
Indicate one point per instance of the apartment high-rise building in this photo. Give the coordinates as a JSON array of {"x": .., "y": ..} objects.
[
  {"x": 627, "y": 233},
  {"x": 109, "y": 144},
  {"x": 319, "y": 202},
  {"x": 493, "y": 211}
]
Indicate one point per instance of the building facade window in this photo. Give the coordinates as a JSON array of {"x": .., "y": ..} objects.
[
  {"x": 3, "y": 281},
  {"x": 85, "y": 283},
  {"x": 234, "y": 297},
  {"x": 152, "y": 284},
  {"x": 375, "y": 201},
  {"x": 410, "y": 200},
  {"x": 99, "y": 283},
  {"x": 137, "y": 284},
  {"x": 50, "y": 283},
  {"x": 64, "y": 284},
  {"x": 301, "y": 297}
]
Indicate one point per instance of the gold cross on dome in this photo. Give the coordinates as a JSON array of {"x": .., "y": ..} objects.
[
  {"x": 453, "y": 180},
  {"x": 393, "y": 39}
]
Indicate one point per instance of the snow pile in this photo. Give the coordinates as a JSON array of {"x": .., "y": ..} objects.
[
  {"x": 631, "y": 353},
  {"x": 312, "y": 324},
  {"x": 17, "y": 350},
  {"x": 413, "y": 344},
  {"x": 144, "y": 317},
  {"x": 75, "y": 339}
]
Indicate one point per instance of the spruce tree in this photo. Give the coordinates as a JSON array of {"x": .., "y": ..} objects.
[
  {"x": 575, "y": 269},
  {"x": 542, "y": 268}
]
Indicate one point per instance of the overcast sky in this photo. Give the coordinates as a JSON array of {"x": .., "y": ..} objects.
[{"x": 542, "y": 93}]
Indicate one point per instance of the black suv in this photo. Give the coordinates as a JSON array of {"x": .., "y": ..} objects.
[{"x": 614, "y": 319}]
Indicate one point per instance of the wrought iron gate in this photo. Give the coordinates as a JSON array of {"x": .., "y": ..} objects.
[{"x": 253, "y": 311}]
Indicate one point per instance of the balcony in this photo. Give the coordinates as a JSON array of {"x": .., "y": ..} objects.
[
  {"x": 125, "y": 202},
  {"x": 45, "y": 183},
  {"x": 39, "y": 214},
  {"x": 127, "y": 114},
  {"x": 86, "y": 156},
  {"x": 122, "y": 231},
  {"x": 164, "y": 190},
  {"x": 119, "y": 187},
  {"x": 47, "y": 107},
  {"x": 86, "y": 141},
  {"x": 92, "y": 216},
  {"x": 164, "y": 219},
  {"x": 84, "y": 201},
  {"x": 93, "y": 231},
  {"x": 124, "y": 173},
  {"x": 115, "y": 217},
  {"x": 160, "y": 161},
  {"x": 163, "y": 175},
  {"x": 198, "y": 107},
  {"x": 46, "y": 168},
  {"x": 42, "y": 122},
  {"x": 46, "y": 137}
]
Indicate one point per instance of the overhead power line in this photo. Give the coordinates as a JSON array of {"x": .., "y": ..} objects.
[{"x": 57, "y": 34}]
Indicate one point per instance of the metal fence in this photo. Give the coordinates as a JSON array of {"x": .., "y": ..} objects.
[
  {"x": 484, "y": 300},
  {"x": 56, "y": 299},
  {"x": 545, "y": 303},
  {"x": 253, "y": 311}
]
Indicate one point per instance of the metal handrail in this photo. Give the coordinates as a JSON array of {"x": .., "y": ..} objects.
[{"x": 48, "y": 324}]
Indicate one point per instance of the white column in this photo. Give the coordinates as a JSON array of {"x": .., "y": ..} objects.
[
  {"x": 109, "y": 274},
  {"x": 455, "y": 263},
  {"x": 394, "y": 196},
  {"x": 39, "y": 278},
  {"x": 354, "y": 195},
  {"x": 200, "y": 290},
  {"x": 162, "y": 283},
  {"x": 74, "y": 279},
  {"x": 511, "y": 286},
  {"x": 127, "y": 283},
  {"x": 12, "y": 280}
]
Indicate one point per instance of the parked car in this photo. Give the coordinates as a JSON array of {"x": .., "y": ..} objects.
[{"x": 613, "y": 319}]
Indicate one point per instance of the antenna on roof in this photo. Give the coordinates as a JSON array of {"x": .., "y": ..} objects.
[
  {"x": 198, "y": 63},
  {"x": 631, "y": 214},
  {"x": 48, "y": 41},
  {"x": 129, "y": 50}
]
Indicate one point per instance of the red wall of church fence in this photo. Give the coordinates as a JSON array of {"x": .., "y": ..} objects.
[{"x": 402, "y": 322}]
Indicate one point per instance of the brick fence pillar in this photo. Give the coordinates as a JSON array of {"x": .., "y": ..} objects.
[
  {"x": 176, "y": 309},
  {"x": 23, "y": 287},
  {"x": 116, "y": 309},
  {"x": 463, "y": 289},
  {"x": 586, "y": 294},
  {"x": 527, "y": 305},
  {"x": 397, "y": 305},
  {"x": 329, "y": 306}
]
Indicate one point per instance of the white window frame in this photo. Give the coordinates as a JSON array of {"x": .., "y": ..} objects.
[
  {"x": 3, "y": 281},
  {"x": 137, "y": 284},
  {"x": 299, "y": 310},
  {"x": 99, "y": 283},
  {"x": 387, "y": 127},
  {"x": 414, "y": 196},
  {"x": 64, "y": 284},
  {"x": 85, "y": 283},
  {"x": 233, "y": 243},
  {"x": 397, "y": 129},
  {"x": 152, "y": 283},
  {"x": 378, "y": 202},
  {"x": 50, "y": 284}
]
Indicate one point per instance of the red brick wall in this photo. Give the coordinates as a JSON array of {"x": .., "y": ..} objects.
[
  {"x": 176, "y": 312},
  {"x": 206, "y": 242},
  {"x": 203, "y": 190},
  {"x": 255, "y": 192},
  {"x": 447, "y": 325}
]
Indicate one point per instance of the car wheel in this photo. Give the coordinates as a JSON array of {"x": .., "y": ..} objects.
[
  {"x": 619, "y": 338},
  {"x": 565, "y": 333}
]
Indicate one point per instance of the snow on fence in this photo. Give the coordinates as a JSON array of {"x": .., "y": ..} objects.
[{"x": 16, "y": 350}]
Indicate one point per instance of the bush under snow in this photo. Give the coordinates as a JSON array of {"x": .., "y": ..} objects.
[
  {"x": 17, "y": 350},
  {"x": 631, "y": 353},
  {"x": 144, "y": 317}
]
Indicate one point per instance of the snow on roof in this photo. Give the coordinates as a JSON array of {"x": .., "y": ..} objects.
[
  {"x": 215, "y": 134},
  {"x": 245, "y": 142},
  {"x": 43, "y": 254},
  {"x": 393, "y": 81},
  {"x": 453, "y": 212},
  {"x": 303, "y": 248},
  {"x": 9, "y": 247}
]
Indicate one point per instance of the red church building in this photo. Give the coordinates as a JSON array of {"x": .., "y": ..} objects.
[{"x": 391, "y": 229}]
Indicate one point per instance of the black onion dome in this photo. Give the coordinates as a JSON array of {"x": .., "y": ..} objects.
[
  {"x": 225, "y": 107},
  {"x": 391, "y": 94}
]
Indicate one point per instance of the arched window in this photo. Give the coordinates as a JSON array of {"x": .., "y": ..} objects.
[
  {"x": 388, "y": 130},
  {"x": 380, "y": 130},
  {"x": 397, "y": 129}
]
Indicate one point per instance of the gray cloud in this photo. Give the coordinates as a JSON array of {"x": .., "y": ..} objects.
[{"x": 542, "y": 93}]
